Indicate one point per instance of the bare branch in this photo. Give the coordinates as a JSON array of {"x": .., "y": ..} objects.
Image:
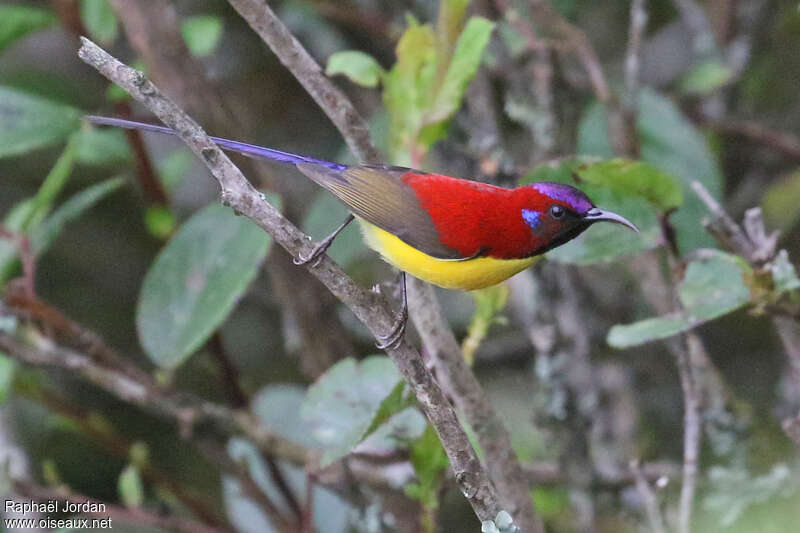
[
  {"x": 370, "y": 308},
  {"x": 293, "y": 56},
  {"x": 649, "y": 499},
  {"x": 137, "y": 516},
  {"x": 633, "y": 55},
  {"x": 781, "y": 141},
  {"x": 459, "y": 381}
]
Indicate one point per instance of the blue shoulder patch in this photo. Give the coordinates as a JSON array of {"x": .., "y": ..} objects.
[{"x": 531, "y": 217}]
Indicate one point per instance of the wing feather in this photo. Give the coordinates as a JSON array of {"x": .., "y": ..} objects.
[{"x": 378, "y": 195}]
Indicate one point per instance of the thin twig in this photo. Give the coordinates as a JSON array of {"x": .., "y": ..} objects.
[
  {"x": 139, "y": 516},
  {"x": 781, "y": 141},
  {"x": 137, "y": 389},
  {"x": 293, "y": 56},
  {"x": 149, "y": 182},
  {"x": 691, "y": 434},
  {"x": 228, "y": 372},
  {"x": 462, "y": 386},
  {"x": 633, "y": 56},
  {"x": 26, "y": 257},
  {"x": 620, "y": 132},
  {"x": 654, "y": 516},
  {"x": 370, "y": 308}
]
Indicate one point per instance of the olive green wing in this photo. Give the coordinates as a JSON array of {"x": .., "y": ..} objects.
[{"x": 378, "y": 195}]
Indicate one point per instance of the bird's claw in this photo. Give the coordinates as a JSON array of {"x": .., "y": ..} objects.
[
  {"x": 316, "y": 254},
  {"x": 396, "y": 335}
]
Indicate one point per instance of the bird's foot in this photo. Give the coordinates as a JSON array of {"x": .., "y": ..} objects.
[
  {"x": 319, "y": 250},
  {"x": 398, "y": 330},
  {"x": 316, "y": 254},
  {"x": 396, "y": 335}
]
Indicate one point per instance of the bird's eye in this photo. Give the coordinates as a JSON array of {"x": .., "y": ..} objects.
[{"x": 557, "y": 211}]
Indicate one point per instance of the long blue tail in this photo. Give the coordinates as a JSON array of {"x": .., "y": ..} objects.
[{"x": 250, "y": 150}]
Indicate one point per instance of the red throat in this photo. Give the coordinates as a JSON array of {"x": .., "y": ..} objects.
[{"x": 479, "y": 219}]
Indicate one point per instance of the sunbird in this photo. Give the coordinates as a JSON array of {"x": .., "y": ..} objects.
[{"x": 452, "y": 232}]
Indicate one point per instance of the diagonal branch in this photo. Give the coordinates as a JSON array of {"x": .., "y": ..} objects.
[
  {"x": 369, "y": 307},
  {"x": 293, "y": 56}
]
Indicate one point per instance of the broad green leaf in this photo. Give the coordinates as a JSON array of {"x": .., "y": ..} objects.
[
  {"x": 7, "y": 368},
  {"x": 278, "y": 407},
  {"x": 713, "y": 286},
  {"x": 343, "y": 403},
  {"x": 360, "y": 68},
  {"x": 624, "y": 187},
  {"x": 102, "y": 147},
  {"x": 99, "y": 19},
  {"x": 29, "y": 122},
  {"x": 781, "y": 202},
  {"x": 195, "y": 282},
  {"x": 430, "y": 463},
  {"x": 671, "y": 143},
  {"x": 706, "y": 77},
  {"x": 466, "y": 59},
  {"x": 48, "y": 230},
  {"x": 130, "y": 487},
  {"x": 16, "y": 21},
  {"x": 408, "y": 88},
  {"x": 637, "y": 177},
  {"x": 202, "y": 34}
]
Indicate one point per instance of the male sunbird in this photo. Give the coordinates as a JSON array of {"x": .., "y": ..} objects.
[{"x": 455, "y": 233}]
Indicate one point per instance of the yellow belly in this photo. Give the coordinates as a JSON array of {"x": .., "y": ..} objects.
[{"x": 466, "y": 275}]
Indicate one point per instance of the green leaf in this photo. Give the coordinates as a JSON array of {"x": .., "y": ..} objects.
[
  {"x": 624, "y": 187},
  {"x": 466, "y": 59},
  {"x": 343, "y": 403},
  {"x": 7, "y": 369},
  {"x": 669, "y": 142},
  {"x": 408, "y": 88},
  {"x": 172, "y": 168},
  {"x": 706, "y": 77},
  {"x": 713, "y": 286},
  {"x": 784, "y": 275},
  {"x": 25, "y": 217},
  {"x": 636, "y": 177},
  {"x": 29, "y": 122},
  {"x": 45, "y": 233},
  {"x": 430, "y": 463},
  {"x": 360, "y": 68},
  {"x": 17, "y": 21},
  {"x": 99, "y": 19},
  {"x": 781, "y": 202},
  {"x": 195, "y": 282},
  {"x": 130, "y": 487},
  {"x": 103, "y": 147},
  {"x": 202, "y": 34}
]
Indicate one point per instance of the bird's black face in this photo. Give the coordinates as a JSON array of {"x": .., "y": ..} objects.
[{"x": 563, "y": 213}]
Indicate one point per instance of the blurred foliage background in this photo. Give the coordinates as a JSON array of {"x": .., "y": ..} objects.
[{"x": 129, "y": 244}]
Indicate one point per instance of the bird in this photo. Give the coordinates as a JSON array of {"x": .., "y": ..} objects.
[{"x": 455, "y": 233}]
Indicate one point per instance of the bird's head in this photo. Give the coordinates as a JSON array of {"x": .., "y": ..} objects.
[{"x": 558, "y": 213}]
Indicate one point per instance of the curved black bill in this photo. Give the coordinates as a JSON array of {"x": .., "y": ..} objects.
[{"x": 596, "y": 215}]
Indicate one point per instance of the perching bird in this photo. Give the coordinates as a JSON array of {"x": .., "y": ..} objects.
[{"x": 455, "y": 233}]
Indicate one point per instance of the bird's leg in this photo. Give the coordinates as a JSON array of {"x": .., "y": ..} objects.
[
  {"x": 323, "y": 245},
  {"x": 393, "y": 338}
]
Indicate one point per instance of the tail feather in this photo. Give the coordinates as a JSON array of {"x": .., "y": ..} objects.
[{"x": 250, "y": 150}]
